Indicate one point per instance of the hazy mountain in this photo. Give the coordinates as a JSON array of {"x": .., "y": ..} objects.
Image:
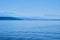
[{"x": 7, "y": 16}]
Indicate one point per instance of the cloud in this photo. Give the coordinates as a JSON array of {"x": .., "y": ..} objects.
[
  {"x": 6, "y": 14},
  {"x": 52, "y": 16}
]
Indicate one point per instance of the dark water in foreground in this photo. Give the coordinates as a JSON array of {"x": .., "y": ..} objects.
[{"x": 29, "y": 30}]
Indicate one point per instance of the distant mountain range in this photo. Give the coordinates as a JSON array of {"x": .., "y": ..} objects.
[
  {"x": 14, "y": 18},
  {"x": 8, "y": 17}
]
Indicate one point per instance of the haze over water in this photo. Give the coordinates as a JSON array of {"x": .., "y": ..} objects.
[{"x": 29, "y": 30}]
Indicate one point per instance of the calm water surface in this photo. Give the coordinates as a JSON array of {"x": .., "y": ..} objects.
[{"x": 29, "y": 30}]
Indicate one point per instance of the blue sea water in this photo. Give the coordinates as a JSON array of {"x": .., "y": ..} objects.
[{"x": 29, "y": 30}]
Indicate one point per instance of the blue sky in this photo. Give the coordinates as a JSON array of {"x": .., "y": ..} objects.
[{"x": 31, "y": 8}]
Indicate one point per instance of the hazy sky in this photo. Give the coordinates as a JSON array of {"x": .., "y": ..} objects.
[{"x": 31, "y": 8}]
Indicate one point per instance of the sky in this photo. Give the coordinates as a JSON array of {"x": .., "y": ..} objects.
[{"x": 31, "y": 8}]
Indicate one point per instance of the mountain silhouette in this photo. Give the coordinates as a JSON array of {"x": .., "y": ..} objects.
[
  {"x": 15, "y": 18},
  {"x": 10, "y": 18},
  {"x": 7, "y": 16}
]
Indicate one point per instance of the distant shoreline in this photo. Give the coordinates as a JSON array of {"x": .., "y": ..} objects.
[
  {"x": 29, "y": 19},
  {"x": 32, "y": 20}
]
